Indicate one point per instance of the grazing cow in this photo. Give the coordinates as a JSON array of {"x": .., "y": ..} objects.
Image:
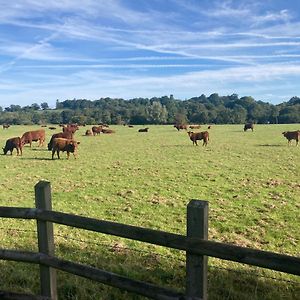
[
  {"x": 65, "y": 135},
  {"x": 6, "y": 126},
  {"x": 97, "y": 129},
  {"x": 61, "y": 144},
  {"x": 194, "y": 136},
  {"x": 209, "y": 127},
  {"x": 130, "y": 126},
  {"x": 195, "y": 126},
  {"x": 43, "y": 125},
  {"x": 52, "y": 128},
  {"x": 180, "y": 126},
  {"x": 107, "y": 131},
  {"x": 33, "y": 136},
  {"x": 292, "y": 135},
  {"x": 248, "y": 126},
  {"x": 144, "y": 129},
  {"x": 89, "y": 132},
  {"x": 11, "y": 144}
]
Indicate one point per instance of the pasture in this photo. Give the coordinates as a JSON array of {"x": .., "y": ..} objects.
[{"x": 251, "y": 180}]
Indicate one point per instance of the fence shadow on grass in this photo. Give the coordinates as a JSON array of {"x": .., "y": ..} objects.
[{"x": 145, "y": 266}]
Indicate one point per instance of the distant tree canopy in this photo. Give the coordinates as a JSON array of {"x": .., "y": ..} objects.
[{"x": 214, "y": 109}]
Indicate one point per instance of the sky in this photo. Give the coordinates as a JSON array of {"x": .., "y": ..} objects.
[{"x": 91, "y": 49}]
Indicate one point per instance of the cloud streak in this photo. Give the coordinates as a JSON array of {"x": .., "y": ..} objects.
[{"x": 118, "y": 44}]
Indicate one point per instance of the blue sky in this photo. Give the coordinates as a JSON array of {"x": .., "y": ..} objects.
[{"x": 145, "y": 48}]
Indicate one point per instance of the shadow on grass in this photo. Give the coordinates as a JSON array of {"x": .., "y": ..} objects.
[
  {"x": 271, "y": 145},
  {"x": 143, "y": 265},
  {"x": 37, "y": 158},
  {"x": 38, "y": 149}
]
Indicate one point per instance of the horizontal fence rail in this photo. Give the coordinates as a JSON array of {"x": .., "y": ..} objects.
[
  {"x": 196, "y": 245},
  {"x": 265, "y": 259},
  {"x": 108, "y": 278}
]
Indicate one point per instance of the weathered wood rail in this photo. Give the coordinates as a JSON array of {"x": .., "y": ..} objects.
[{"x": 195, "y": 243}]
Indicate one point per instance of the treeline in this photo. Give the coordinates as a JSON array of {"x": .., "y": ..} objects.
[{"x": 214, "y": 109}]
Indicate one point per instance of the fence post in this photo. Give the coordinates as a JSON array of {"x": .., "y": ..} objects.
[
  {"x": 45, "y": 240},
  {"x": 196, "y": 265}
]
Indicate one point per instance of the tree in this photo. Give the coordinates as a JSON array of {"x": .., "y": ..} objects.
[
  {"x": 44, "y": 106},
  {"x": 157, "y": 113},
  {"x": 35, "y": 106},
  {"x": 180, "y": 118}
]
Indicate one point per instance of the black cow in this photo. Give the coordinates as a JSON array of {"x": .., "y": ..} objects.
[
  {"x": 292, "y": 135},
  {"x": 248, "y": 126},
  {"x": 12, "y": 143}
]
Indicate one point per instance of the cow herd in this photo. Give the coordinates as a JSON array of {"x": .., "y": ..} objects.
[
  {"x": 64, "y": 141},
  {"x": 204, "y": 135}
]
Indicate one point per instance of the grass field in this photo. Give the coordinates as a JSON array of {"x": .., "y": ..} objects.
[{"x": 251, "y": 180}]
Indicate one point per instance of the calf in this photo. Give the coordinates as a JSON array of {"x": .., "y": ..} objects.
[
  {"x": 292, "y": 135},
  {"x": 33, "y": 136},
  {"x": 194, "y": 136},
  {"x": 65, "y": 135},
  {"x": 11, "y": 144},
  {"x": 144, "y": 129},
  {"x": 248, "y": 126},
  {"x": 61, "y": 144}
]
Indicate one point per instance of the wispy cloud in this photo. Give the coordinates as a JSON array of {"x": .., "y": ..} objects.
[{"x": 145, "y": 47}]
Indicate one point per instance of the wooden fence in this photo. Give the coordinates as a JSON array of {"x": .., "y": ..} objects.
[{"x": 195, "y": 243}]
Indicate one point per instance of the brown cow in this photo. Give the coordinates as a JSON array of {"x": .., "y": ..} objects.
[
  {"x": 96, "y": 129},
  {"x": 65, "y": 135},
  {"x": 61, "y": 144},
  {"x": 292, "y": 135},
  {"x": 70, "y": 128},
  {"x": 12, "y": 143},
  {"x": 195, "y": 126},
  {"x": 52, "y": 128},
  {"x": 6, "y": 126},
  {"x": 107, "y": 131},
  {"x": 194, "y": 136},
  {"x": 33, "y": 136},
  {"x": 144, "y": 129},
  {"x": 180, "y": 126},
  {"x": 248, "y": 126}
]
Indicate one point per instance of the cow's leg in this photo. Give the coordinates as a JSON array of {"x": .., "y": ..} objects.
[
  {"x": 196, "y": 142},
  {"x": 58, "y": 154},
  {"x": 68, "y": 154},
  {"x": 53, "y": 151}
]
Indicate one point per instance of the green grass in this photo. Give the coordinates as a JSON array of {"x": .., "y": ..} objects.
[{"x": 251, "y": 180}]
